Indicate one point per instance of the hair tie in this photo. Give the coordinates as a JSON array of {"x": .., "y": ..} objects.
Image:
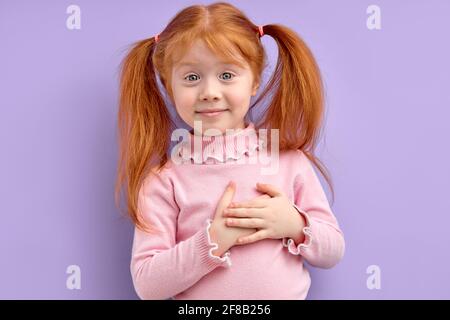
[
  {"x": 261, "y": 31},
  {"x": 157, "y": 38}
]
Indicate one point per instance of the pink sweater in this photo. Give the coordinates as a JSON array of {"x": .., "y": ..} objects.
[{"x": 181, "y": 201}]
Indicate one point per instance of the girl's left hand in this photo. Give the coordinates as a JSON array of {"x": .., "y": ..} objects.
[{"x": 272, "y": 214}]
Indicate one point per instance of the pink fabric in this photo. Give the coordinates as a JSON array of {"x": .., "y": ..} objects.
[{"x": 181, "y": 202}]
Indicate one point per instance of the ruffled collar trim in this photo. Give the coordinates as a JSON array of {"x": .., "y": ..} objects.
[{"x": 220, "y": 149}]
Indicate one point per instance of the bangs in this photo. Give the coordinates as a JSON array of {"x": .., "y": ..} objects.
[{"x": 218, "y": 43}]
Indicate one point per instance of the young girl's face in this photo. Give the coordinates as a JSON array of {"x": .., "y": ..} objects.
[{"x": 202, "y": 82}]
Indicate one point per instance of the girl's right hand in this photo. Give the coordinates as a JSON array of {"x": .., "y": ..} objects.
[{"x": 219, "y": 232}]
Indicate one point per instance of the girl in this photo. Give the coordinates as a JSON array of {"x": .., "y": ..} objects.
[{"x": 209, "y": 222}]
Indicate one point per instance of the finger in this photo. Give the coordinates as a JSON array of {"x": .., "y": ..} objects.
[
  {"x": 227, "y": 196},
  {"x": 245, "y": 223},
  {"x": 249, "y": 204},
  {"x": 257, "y": 236},
  {"x": 258, "y": 202},
  {"x": 271, "y": 190},
  {"x": 244, "y": 212}
]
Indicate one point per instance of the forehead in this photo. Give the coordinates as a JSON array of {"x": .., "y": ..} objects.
[{"x": 199, "y": 54}]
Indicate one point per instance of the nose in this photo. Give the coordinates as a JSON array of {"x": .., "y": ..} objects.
[{"x": 210, "y": 91}]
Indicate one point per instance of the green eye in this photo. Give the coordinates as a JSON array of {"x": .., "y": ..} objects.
[
  {"x": 230, "y": 77},
  {"x": 193, "y": 77},
  {"x": 189, "y": 77}
]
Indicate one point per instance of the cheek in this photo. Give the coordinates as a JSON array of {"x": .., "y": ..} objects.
[
  {"x": 239, "y": 99},
  {"x": 184, "y": 102}
]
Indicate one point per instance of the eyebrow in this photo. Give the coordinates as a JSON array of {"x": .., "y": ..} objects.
[{"x": 188, "y": 63}]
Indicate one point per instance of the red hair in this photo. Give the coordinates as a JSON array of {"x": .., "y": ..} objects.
[{"x": 144, "y": 123}]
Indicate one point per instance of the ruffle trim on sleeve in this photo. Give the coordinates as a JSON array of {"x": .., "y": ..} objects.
[
  {"x": 213, "y": 246},
  {"x": 290, "y": 244}
]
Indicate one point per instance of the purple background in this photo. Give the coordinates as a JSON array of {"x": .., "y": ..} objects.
[{"x": 385, "y": 142}]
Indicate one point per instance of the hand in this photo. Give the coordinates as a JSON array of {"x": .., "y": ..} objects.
[
  {"x": 272, "y": 214},
  {"x": 219, "y": 232}
]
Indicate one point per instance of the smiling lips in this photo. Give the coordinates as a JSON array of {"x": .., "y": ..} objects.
[{"x": 211, "y": 112}]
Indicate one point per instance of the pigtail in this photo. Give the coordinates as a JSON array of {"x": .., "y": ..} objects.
[
  {"x": 297, "y": 104},
  {"x": 144, "y": 125}
]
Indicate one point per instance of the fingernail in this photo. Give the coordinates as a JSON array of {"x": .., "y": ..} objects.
[
  {"x": 231, "y": 184},
  {"x": 231, "y": 205}
]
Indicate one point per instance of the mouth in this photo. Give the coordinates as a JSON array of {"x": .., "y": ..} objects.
[{"x": 211, "y": 112}]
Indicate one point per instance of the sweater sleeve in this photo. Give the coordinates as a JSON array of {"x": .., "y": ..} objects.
[
  {"x": 324, "y": 243},
  {"x": 160, "y": 266}
]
